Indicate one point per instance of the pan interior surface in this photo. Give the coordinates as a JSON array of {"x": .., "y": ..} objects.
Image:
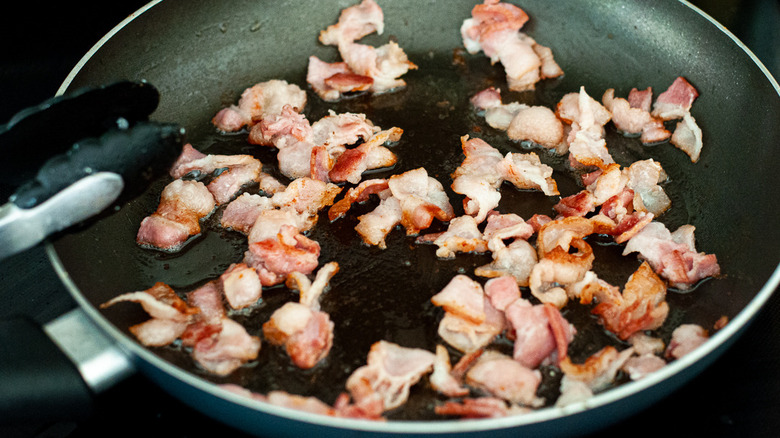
[{"x": 201, "y": 55}]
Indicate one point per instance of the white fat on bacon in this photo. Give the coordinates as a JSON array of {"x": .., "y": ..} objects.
[
  {"x": 581, "y": 381},
  {"x": 442, "y": 378},
  {"x": 177, "y": 218},
  {"x": 685, "y": 338},
  {"x": 587, "y": 117},
  {"x": 673, "y": 256},
  {"x": 688, "y": 137},
  {"x": 515, "y": 259},
  {"x": 494, "y": 28},
  {"x": 675, "y": 103},
  {"x": 241, "y": 285},
  {"x": 526, "y": 171},
  {"x": 389, "y": 373},
  {"x": 462, "y": 235},
  {"x": 635, "y": 118},
  {"x": 304, "y": 330},
  {"x": 258, "y": 102}
]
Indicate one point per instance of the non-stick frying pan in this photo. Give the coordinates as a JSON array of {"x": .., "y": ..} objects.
[{"x": 202, "y": 55}]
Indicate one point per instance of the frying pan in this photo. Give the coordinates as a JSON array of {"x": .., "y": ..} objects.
[{"x": 202, "y": 55}]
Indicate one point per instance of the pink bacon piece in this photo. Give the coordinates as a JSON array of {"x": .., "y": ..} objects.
[
  {"x": 258, "y": 102},
  {"x": 182, "y": 205},
  {"x": 275, "y": 258}
]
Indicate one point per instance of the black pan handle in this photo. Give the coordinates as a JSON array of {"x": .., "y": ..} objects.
[{"x": 52, "y": 373}]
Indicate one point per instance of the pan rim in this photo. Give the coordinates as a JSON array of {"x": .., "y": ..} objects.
[{"x": 710, "y": 349}]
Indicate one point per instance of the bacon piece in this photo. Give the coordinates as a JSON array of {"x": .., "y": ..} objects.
[
  {"x": 275, "y": 259},
  {"x": 241, "y": 285},
  {"x": 488, "y": 98},
  {"x": 369, "y": 155},
  {"x": 676, "y": 101},
  {"x": 526, "y": 171},
  {"x": 388, "y": 374},
  {"x": 557, "y": 269},
  {"x": 232, "y": 348},
  {"x": 516, "y": 260},
  {"x": 643, "y": 177},
  {"x": 269, "y": 223},
  {"x": 442, "y": 379},
  {"x": 578, "y": 204},
  {"x": 182, "y": 205},
  {"x": 354, "y": 23},
  {"x": 539, "y": 125},
  {"x": 501, "y": 227},
  {"x": 279, "y": 129},
  {"x": 241, "y": 213},
  {"x": 307, "y": 196},
  {"x": 639, "y": 367},
  {"x": 561, "y": 232},
  {"x": 331, "y": 81},
  {"x": 373, "y": 227},
  {"x": 502, "y": 291},
  {"x": 501, "y": 376},
  {"x": 467, "y": 336},
  {"x": 481, "y": 407},
  {"x": 422, "y": 199},
  {"x": 673, "y": 255},
  {"x": 360, "y": 193},
  {"x": 685, "y": 338},
  {"x": 478, "y": 178},
  {"x": 634, "y": 120},
  {"x": 587, "y": 118},
  {"x": 259, "y": 101},
  {"x": 462, "y": 235},
  {"x": 687, "y": 137},
  {"x": 599, "y": 370},
  {"x": 170, "y": 315},
  {"x": 541, "y": 334},
  {"x": 462, "y": 297},
  {"x": 642, "y": 306},
  {"x": 384, "y": 65}
]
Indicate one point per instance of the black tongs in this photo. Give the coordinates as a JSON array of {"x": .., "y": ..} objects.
[{"x": 72, "y": 156}]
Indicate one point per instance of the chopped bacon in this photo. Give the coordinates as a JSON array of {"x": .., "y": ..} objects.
[
  {"x": 643, "y": 177},
  {"x": 388, "y": 374},
  {"x": 672, "y": 255},
  {"x": 360, "y": 193},
  {"x": 230, "y": 349},
  {"x": 170, "y": 314},
  {"x": 599, "y": 370},
  {"x": 478, "y": 178},
  {"x": 279, "y": 129},
  {"x": 676, "y": 101},
  {"x": 516, "y": 260},
  {"x": 587, "y": 117},
  {"x": 182, "y": 205},
  {"x": 306, "y": 195},
  {"x": 462, "y": 235},
  {"x": 442, "y": 379},
  {"x": 481, "y": 407},
  {"x": 561, "y": 232},
  {"x": 354, "y": 23},
  {"x": 422, "y": 199},
  {"x": 275, "y": 258},
  {"x": 373, "y": 227},
  {"x": 639, "y": 367},
  {"x": 371, "y": 154},
  {"x": 501, "y": 376},
  {"x": 488, "y": 98},
  {"x": 241, "y": 285},
  {"x": 462, "y": 297},
  {"x": 259, "y": 101},
  {"x": 642, "y": 305},
  {"x": 331, "y": 81},
  {"x": 538, "y": 124},
  {"x": 685, "y": 338},
  {"x": 557, "y": 269},
  {"x": 269, "y": 223},
  {"x": 467, "y": 336},
  {"x": 634, "y": 120},
  {"x": 241, "y": 213},
  {"x": 541, "y": 334},
  {"x": 687, "y": 137},
  {"x": 526, "y": 171},
  {"x": 502, "y": 291},
  {"x": 578, "y": 204}
]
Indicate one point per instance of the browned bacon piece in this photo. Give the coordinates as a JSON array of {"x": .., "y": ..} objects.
[
  {"x": 587, "y": 117},
  {"x": 182, "y": 205},
  {"x": 422, "y": 198},
  {"x": 371, "y": 154},
  {"x": 477, "y": 177},
  {"x": 276, "y": 258},
  {"x": 462, "y": 235},
  {"x": 258, "y": 102}
]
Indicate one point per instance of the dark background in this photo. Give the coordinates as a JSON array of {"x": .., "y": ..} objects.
[{"x": 738, "y": 396}]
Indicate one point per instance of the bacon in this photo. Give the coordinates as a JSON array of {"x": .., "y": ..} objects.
[
  {"x": 634, "y": 120},
  {"x": 307, "y": 196},
  {"x": 685, "y": 338},
  {"x": 331, "y": 81},
  {"x": 354, "y": 23},
  {"x": 462, "y": 297},
  {"x": 241, "y": 213},
  {"x": 235, "y": 171},
  {"x": 488, "y": 98},
  {"x": 442, "y": 379},
  {"x": 587, "y": 118},
  {"x": 478, "y": 178},
  {"x": 539, "y": 125},
  {"x": 687, "y": 137},
  {"x": 170, "y": 315},
  {"x": 232, "y": 348},
  {"x": 259, "y": 101},
  {"x": 462, "y": 235},
  {"x": 578, "y": 204},
  {"x": 467, "y": 336},
  {"x": 275, "y": 259},
  {"x": 501, "y": 227},
  {"x": 373, "y": 227},
  {"x": 422, "y": 199},
  {"x": 182, "y": 205},
  {"x": 360, "y": 193},
  {"x": 269, "y": 223},
  {"x": 516, "y": 260},
  {"x": 526, "y": 171},
  {"x": 561, "y": 232},
  {"x": 642, "y": 305},
  {"x": 279, "y": 129},
  {"x": 501, "y": 376},
  {"x": 388, "y": 374},
  {"x": 481, "y": 407},
  {"x": 340, "y": 129},
  {"x": 643, "y": 177},
  {"x": 557, "y": 269},
  {"x": 502, "y": 291},
  {"x": 599, "y": 370},
  {"x": 241, "y": 285},
  {"x": 638, "y": 367},
  {"x": 672, "y": 255},
  {"x": 304, "y": 330},
  {"x": 676, "y": 101},
  {"x": 369, "y": 155},
  {"x": 541, "y": 334},
  {"x": 384, "y": 65}
]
